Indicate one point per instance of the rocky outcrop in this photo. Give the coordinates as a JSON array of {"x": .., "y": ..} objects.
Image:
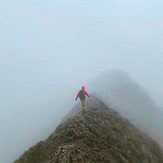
[
  {"x": 119, "y": 91},
  {"x": 97, "y": 135}
]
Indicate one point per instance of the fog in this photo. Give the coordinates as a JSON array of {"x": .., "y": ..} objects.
[{"x": 50, "y": 48}]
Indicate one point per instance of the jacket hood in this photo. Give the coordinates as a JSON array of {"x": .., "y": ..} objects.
[{"x": 83, "y": 88}]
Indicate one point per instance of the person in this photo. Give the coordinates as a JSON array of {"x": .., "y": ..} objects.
[{"x": 82, "y": 95}]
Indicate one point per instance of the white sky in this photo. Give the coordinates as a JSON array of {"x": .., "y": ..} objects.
[{"x": 48, "y": 49}]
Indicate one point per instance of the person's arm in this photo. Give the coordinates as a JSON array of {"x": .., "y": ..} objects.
[
  {"x": 86, "y": 94},
  {"x": 77, "y": 96}
]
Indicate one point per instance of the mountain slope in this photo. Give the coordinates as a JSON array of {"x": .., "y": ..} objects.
[
  {"x": 97, "y": 135},
  {"x": 119, "y": 91}
]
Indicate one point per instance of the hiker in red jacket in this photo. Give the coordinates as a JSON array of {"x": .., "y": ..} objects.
[{"x": 81, "y": 94}]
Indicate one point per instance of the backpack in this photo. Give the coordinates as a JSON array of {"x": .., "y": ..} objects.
[{"x": 81, "y": 94}]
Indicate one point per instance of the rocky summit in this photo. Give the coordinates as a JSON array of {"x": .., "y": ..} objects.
[{"x": 97, "y": 135}]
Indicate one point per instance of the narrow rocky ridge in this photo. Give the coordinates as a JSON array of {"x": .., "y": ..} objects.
[{"x": 99, "y": 134}]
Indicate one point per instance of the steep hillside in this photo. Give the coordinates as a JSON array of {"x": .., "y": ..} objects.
[
  {"x": 97, "y": 135},
  {"x": 120, "y": 92}
]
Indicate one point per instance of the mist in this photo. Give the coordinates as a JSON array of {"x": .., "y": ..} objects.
[{"x": 50, "y": 49}]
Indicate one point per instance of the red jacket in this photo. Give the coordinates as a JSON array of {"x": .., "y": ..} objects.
[{"x": 85, "y": 93}]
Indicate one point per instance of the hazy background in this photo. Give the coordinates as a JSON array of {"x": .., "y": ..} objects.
[{"x": 48, "y": 49}]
